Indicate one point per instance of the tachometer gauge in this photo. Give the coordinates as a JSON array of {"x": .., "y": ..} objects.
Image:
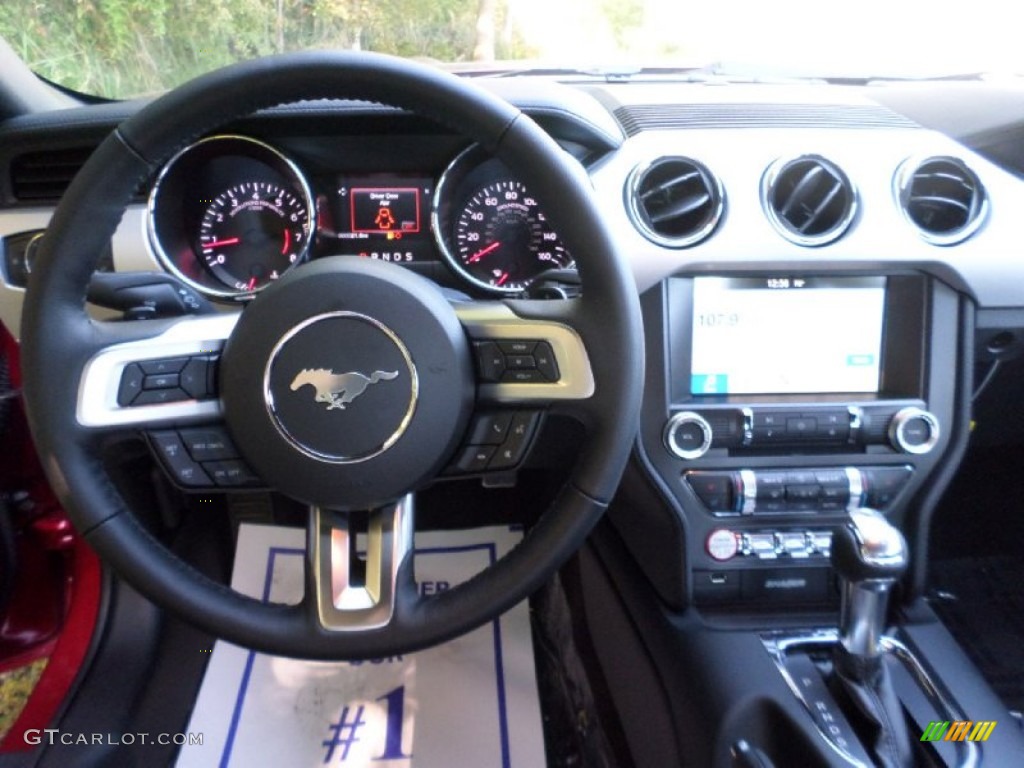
[
  {"x": 490, "y": 229},
  {"x": 228, "y": 215},
  {"x": 503, "y": 240},
  {"x": 252, "y": 234}
]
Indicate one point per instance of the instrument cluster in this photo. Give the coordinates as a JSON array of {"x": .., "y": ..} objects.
[{"x": 231, "y": 214}]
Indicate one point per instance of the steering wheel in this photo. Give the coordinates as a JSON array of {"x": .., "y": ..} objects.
[{"x": 333, "y": 314}]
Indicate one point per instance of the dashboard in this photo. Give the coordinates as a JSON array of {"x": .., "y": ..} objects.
[
  {"x": 230, "y": 214},
  {"x": 815, "y": 268},
  {"x": 824, "y": 282}
]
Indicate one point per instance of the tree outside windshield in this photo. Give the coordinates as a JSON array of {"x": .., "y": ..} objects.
[{"x": 123, "y": 48}]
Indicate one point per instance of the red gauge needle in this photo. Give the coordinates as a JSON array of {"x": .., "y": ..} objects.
[
  {"x": 503, "y": 279},
  {"x": 251, "y": 285},
  {"x": 480, "y": 254},
  {"x": 219, "y": 243}
]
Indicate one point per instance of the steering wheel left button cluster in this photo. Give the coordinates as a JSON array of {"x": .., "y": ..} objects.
[
  {"x": 202, "y": 457},
  {"x": 167, "y": 380}
]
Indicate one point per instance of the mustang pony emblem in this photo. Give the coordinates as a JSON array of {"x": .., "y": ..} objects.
[{"x": 338, "y": 389}]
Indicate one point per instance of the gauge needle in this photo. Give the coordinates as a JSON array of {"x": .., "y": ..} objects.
[
  {"x": 502, "y": 279},
  {"x": 251, "y": 285},
  {"x": 219, "y": 243},
  {"x": 480, "y": 254}
]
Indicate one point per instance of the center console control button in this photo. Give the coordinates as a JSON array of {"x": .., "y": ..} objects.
[
  {"x": 776, "y": 491},
  {"x": 715, "y": 489},
  {"x": 723, "y": 544}
]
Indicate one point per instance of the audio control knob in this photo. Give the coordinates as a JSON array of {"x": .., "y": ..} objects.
[
  {"x": 688, "y": 435},
  {"x": 913, "y": 430}
]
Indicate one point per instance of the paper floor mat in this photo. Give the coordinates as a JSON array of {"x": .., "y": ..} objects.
[{"x": 471, "y": 702}]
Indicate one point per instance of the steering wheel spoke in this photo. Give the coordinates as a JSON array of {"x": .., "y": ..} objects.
[
  {"x": 352, "y": 590},
  {"x": 527, "y": 359},
  {"x": 138, "y": 377}
]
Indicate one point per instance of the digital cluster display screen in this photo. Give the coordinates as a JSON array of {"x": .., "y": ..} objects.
[
  {"x": 782, "y": 335},
  {"x": 383, "y": 217}
]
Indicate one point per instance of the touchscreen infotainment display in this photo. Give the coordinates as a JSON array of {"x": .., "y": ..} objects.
[{"x": 780, "y": 335}]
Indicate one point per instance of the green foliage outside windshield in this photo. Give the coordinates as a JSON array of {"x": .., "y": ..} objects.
[{"x": 123, "y": 48}]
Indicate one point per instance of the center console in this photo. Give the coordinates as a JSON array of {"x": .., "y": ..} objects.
[
  {"x": 777, "y": 403},
  {"x": 770, "y": 539}
]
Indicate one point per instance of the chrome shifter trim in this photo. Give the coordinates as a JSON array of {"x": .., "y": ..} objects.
[{"x": 784, "y": 642}]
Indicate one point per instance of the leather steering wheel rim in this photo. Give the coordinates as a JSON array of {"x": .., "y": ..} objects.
[{"x": 59, "y": 338}]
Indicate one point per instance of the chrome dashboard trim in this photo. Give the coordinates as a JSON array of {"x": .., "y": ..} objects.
[{"x": 158, "y": 247}]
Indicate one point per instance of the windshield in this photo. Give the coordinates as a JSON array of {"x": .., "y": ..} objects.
[{"x": 126, "y": 48}]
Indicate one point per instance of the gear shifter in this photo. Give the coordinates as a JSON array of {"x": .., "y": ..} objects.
[{"x": 869, "y": 555}]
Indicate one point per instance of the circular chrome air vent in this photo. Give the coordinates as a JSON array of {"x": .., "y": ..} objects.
[
  {"x": 808, "y": 199},
  {"x": 942, "y": 197},
  {"x": 674, "y": 201}
]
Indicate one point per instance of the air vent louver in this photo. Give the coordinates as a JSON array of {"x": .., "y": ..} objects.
[
  {"x": 43, "y": 177},
  {"x": 942, "y": 197},
  {"x": 808, "y": 199},
  {"x": 674, "y": 201}
]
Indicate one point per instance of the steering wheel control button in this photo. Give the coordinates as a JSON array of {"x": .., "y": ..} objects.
[
  {"x": 474, "y": 459},
  {"x": 723, "y": 544},
  {"x": 231, "y": 474},
  {"x": 490, "y": 361},
  {"x": 521, "y": 361},
  {"x": 196, "y": 378},
  {"x": 208, "y": 444},
  {"x": 161, "y": 381},
  {"x": 546, "y": 361},
  {"x": 160, "y": 396},
  {"x": 532, "y": 376},
  {"x": 131, "y": 384},
  {"x": 520, "y": 431},
  {"x": 688, "y": 435},
  {"x": 165, "y": 366},
  {"x": 176, "y": 460},
  {"x": 512, "y": 348},
  {"x": 490, "y": 428},
  {"x": 914, "y": 431}
]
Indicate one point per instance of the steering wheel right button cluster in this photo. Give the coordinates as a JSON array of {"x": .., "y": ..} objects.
[{"x": 522, "y": 361}]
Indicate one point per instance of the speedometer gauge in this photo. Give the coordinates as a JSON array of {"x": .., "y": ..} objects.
[
  {"x": 252, "y": 233},
  {"x": 490, "y": 229},
  {"x": 503, "y": 240}
]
